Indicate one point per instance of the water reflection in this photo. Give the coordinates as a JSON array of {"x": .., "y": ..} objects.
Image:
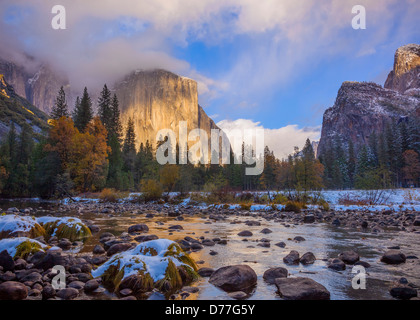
[{"x": 324, "y": 240}]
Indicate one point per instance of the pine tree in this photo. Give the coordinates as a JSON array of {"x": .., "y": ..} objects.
[
  {"x": 366, "y": 171},
  {"x": 60, "y": 108},
  {"x": 84, "y": 112},
  {"x": 116, "y": 126},
  {"x": 115, "y": 174},
  {"x": 413, "y": 129},
  {"x": 75, "y": 109},
  {"x": 104, "y": 108},
  {"x": 129, "y": 147},
  {"x": 393, "y": 141},
  {"x": 351, "y": 163}
]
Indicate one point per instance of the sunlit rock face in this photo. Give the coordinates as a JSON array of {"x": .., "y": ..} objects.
[
  {"x": 405, "y": 77},
  {"x": 158, "y": 100}
]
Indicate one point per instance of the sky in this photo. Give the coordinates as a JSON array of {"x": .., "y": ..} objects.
[{"x": 272, "y": 64}]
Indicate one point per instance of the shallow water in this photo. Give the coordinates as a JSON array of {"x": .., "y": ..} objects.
[{"x": 324, "y": 240}]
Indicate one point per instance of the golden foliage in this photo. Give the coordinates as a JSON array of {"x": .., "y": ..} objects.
[
  {"x": 84, "y": 155},
  {"x": 151, "y": 190}
]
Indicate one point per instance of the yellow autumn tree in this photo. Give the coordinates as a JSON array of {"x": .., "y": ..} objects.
[
  {"x": 82, "y": 155},
  {"x": 61, "y": 140},
  {"x": 169, "y": 176},
  {"x": 89, "y": 163}
]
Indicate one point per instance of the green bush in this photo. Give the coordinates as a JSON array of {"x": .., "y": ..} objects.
[
  {"x": 151, "y": 190},
  {"x": 324, "y": 205},
  {"x": 280, "y": 199}
]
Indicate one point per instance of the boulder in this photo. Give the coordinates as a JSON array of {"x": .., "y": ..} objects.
[
  {"x": 292, "y": 258},
  {"x": 234, "y": 278},
  {"x": 393, "y": 257},
  {"x": 245, "y": 233},
  {"x": 272, "y": 274},
  {"x": 403, "y": 292},
  {"x": 307, "y": 258},
  {"x": 145, "y": 238},
  {"x": 349, "y": 257},
  {"x": 280, "y": 244},
  {"x": 48, "y": 292},
  {"x": 32, "y": 277},
  {"x": 98, "y": 249},
  {"x": 6, "y": 261},
  {"x": 79, "y": 285},
  {"x": 138, "y": 228},
  {"x": 301, "y": 289},
  {"x": 337, "y": 265},
  {"x": 117, "y": 248},
  {"x": 50, "y": 260},
  {"x": 205, "y": 272},
  {"x": 68, "y": 293},
  {"x": 91, "y": 285},
  {"x": 299, "y": 239},
  {"x": 12, "y": 290}
]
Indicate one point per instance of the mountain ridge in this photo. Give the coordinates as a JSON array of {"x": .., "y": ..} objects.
[{"x": 364, "y": 108}]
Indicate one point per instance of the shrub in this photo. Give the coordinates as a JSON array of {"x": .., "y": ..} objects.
[
  {"x": 280, "y": 199},
  {"x": 151, "y": 190},
  {"x": 246, "y": 197},
  {"x": 293, "y": 206},
  {"x": 245, "y": 206},
  {"x": 109, "y": 195},
  {"x": 324, "y": 205}
]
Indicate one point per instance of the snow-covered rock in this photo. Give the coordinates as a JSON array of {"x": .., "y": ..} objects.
[
  {"x": 21, "y": 246},
  {"x": 65, "y": 227},
  {"x": 12, "y": 225},
  {"x": 158, "y": 263}
]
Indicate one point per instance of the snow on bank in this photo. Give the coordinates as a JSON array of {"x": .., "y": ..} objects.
[{"x": 396, "y": 200}]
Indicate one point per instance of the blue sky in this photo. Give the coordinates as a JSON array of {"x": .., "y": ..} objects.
[{"x": 271, "y": 64}]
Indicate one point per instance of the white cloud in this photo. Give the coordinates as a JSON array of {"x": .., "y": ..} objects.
[
  {"x": 283, "y": 39},
  {"x": 282, "y": 140}
]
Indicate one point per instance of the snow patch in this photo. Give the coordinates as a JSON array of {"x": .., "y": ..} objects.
[{"x": 11, "y": 244}]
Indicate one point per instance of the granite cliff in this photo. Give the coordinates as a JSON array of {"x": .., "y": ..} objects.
[
  {"x": 155, "y": 99},
  {"x": 363, "y": 108},
  {"x": 39, "y": 84},
  {"x": 158, "y": 100}
]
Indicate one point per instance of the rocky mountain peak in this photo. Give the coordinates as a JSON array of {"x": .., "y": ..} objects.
[
  {"x": 364, "y": 108},
  {"x": 405, "y": 77},
  {"x": 406, "y": 59}
]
